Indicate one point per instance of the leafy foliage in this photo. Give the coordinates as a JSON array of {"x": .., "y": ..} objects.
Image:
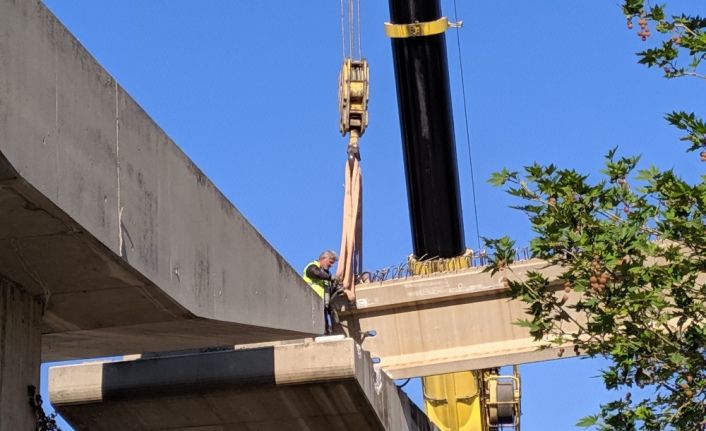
[
  {"x": 44, "y": 422},
  {"x": 634, "y": 253},
  {"x": 682, "y": 43},
  {"x": 695, "y": 127},
  {"x": 632, "y": 249}
]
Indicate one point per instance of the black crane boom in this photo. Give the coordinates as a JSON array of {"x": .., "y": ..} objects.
[{"x": 426, "y": 121}]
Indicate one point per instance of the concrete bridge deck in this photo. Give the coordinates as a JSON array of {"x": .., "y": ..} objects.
[
  {"x": 108, "y": 223},
  {"x": 304, "y": 386}
]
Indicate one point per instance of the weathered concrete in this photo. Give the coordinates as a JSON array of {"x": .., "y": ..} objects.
[
  {"x": 102, "y": 215},
  {"x": 20, "y": 317},
  {"x": 446, "y": 323},
  {"x": 307, "y": 386}
]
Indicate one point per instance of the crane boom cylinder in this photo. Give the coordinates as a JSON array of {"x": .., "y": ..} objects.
[{"x": 426, "y": 122}]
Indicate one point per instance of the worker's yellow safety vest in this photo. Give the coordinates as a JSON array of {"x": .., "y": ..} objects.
[{"x": 319, "y": 286}]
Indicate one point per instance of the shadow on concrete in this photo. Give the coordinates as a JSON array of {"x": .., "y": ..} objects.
[{"x": 188, "y": 373}]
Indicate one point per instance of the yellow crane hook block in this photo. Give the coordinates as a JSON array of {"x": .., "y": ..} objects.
[{"x": 353, "y": 94}]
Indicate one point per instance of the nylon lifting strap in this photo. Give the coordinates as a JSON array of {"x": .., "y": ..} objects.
[{"x": 351, "y": 257}]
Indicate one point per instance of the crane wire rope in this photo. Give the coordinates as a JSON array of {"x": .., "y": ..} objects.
[
  {"x": 350, "y": 21},
  {"x": 360, "y": 34},
  {"x": 350, "y": 28},
  {"x": 465, "y": 116},
  {"x": 343, "y": 32}
]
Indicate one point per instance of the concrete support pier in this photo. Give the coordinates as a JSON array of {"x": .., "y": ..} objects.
[{"x": 20, "y": 355}]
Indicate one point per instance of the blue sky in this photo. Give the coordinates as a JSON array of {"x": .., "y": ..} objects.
[{"x": 248, "y": 89}]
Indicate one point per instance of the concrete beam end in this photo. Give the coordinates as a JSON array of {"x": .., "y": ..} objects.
[{"x": 303, "y": 386}]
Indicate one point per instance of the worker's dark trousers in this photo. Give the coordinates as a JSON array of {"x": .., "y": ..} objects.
[{"x": 328, "y": 318}]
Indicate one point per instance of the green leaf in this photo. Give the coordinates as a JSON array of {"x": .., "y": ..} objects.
[
  {"x": 677, "y": 359},
  {"x": 657, "y": 13},
  {"x": 498, "y": 179},
  {"x": 647, "y": 174},
  {"x": 587, "y": 421}
]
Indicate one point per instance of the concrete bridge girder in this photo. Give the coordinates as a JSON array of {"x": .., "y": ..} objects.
[{"x": 448, "y": 322}]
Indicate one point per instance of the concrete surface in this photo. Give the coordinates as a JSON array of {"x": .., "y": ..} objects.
[
  {"x": 20, "y": 317},
  {"x": 305, "y": 386},
  {"x": 102, "y": 216},
  {"x": 446, "y": 323}
]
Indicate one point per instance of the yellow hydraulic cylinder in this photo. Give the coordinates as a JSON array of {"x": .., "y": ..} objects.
[{"x": 453, "y": 401}]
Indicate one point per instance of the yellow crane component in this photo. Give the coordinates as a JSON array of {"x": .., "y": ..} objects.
[
  {"x": 353, "y": 94},
  {"x": 473, "y": 401},
  {"x": 417, "y": 29},
  {"x": 431, "y": 266},
  {"x": 502, "y": 400},
  {"x": 453, "y": 401}
]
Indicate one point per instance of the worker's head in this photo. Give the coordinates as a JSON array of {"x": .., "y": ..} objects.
[{"x": 327, "y": 259}]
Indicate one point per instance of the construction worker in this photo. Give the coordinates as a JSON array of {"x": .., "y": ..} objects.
[{"x": 317, "y": 274}]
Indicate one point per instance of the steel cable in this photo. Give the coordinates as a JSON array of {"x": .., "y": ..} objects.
[
  {"x": 465, "y": 115},
  {"x": 360, "y": 35},
  {"x": 343, "y": 32}
]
